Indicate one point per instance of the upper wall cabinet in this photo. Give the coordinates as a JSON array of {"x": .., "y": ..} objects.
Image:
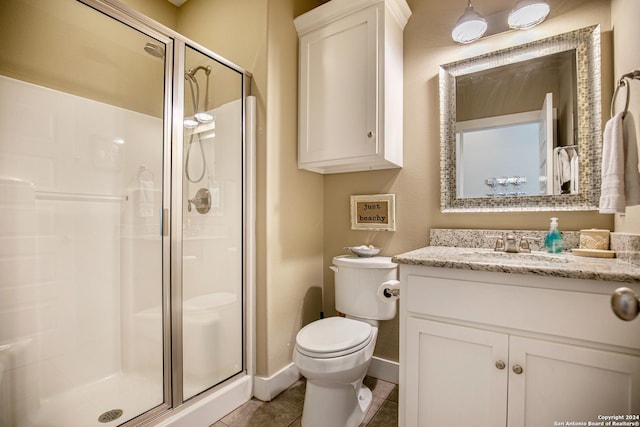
[{"x": 350, "y": 85}]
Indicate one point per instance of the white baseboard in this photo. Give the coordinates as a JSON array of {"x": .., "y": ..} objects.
[
  {"x": 212, "y": 408},
  {"x": 383, "y": 369},
  {"x": 266, "y": 388}
]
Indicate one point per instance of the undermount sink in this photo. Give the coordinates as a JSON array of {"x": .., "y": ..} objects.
[{"x": 513, "y": 258}]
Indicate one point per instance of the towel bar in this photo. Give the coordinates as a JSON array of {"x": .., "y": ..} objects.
[{"x": 635, "y": 74}]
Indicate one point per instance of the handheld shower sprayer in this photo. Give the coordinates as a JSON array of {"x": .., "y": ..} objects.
[{"x": 199, "y": 116}]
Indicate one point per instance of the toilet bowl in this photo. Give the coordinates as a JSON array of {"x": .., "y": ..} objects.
[
  {"x": 334, "y": 367},
  {"x": 334, "y": 353}
]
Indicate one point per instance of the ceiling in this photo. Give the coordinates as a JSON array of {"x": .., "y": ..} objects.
[{"x": 178, "y": 2}]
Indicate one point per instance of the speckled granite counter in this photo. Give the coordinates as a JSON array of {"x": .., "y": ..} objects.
[
  {"x": 538, "y": 263},
  {"x": 471, "y": 250}
]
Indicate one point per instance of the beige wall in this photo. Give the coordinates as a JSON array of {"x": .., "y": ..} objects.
[
  {"x": 626, "y": 34},
  {"x": 293, "y": 207},
  {"x": 162, "y": 11},
  {"x": 427, "y": 44},
  {"x": 55, "y": 44}
]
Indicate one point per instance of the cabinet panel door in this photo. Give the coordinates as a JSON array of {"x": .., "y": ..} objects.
[
  {"x": 451, "y": 376},
  {"x": 562, "y": 382},
  {"x": 338, "y": 89}
]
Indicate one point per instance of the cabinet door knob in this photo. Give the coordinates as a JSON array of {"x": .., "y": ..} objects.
[
  {"x": 500, "y": 364},
  {"x": 369, "y": 134},
  {"x": 625, "y": 304},
  {"x": 517, "y": 369}
]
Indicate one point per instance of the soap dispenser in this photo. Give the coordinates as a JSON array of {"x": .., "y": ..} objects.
[{"x": 553, "y": 242}]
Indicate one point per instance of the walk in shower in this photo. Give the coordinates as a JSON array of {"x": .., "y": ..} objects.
[{"x": 125, "y": 221}]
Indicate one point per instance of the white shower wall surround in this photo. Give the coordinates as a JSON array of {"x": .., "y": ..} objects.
[
  {"x": 80, "y": 240},
  {"x": 57, "y": 148},
  {"x": 70, "y": 162}
]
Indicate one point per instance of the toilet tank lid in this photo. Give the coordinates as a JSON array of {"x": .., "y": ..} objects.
[{"x": 360, "y": 262}]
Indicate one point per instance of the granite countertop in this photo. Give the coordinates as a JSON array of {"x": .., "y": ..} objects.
[{"x": 538, "y": 263}]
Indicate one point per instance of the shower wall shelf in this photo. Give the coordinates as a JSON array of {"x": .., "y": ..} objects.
[{"x": 78, "y": 197}]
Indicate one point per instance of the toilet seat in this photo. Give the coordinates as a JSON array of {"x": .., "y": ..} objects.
[{"x": 333, "y": 337}]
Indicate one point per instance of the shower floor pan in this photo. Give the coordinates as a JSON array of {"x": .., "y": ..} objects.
[{"x": 82, "y": 406}]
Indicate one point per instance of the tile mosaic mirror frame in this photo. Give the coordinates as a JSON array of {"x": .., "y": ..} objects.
[{"x": 586, "y": 44}]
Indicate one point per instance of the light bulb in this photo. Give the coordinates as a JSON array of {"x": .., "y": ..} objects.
[
  {"x": 528, "y": 13},
  {"x": 204, "y": 117},
  {"x": 190, "y": 123},
  {"x": 470, "y": 26}
]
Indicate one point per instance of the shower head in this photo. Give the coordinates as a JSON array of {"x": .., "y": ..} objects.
[{"x": 154, "y": 50}]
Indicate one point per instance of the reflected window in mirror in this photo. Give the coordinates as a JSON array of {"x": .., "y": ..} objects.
[{"x": 520, "y": 127}]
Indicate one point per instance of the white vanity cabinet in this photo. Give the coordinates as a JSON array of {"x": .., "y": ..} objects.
[
  {"x": 350, "y": 85},
  {"x": 493, "y": 349}
]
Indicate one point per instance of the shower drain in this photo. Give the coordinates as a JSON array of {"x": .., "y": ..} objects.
[{"x": 111, "y": 415}]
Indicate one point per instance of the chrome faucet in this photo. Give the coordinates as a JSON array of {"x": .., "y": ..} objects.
[
  {"x": 509, "y": 243},
  {"x": 525, "y": 243}
]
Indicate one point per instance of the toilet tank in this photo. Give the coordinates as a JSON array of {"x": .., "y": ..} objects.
[{"x": 356, "y": 286}]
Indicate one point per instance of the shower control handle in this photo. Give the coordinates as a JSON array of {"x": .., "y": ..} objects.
[{"x": 202, "y": 201}]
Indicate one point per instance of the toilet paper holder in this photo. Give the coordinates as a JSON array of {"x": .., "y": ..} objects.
[{"x": 388, "y": 292}]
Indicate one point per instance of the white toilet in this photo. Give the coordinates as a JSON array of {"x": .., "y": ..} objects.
[{"x": 334, "y": 353}]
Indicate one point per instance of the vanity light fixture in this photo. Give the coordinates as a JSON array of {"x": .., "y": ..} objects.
[
  {"x": 528, "y": 13},
  {"x": 525, "y": 14},
  {"x": 470, "y": 26}
]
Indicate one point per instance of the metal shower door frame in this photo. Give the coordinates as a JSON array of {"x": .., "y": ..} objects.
[{"x": 172, "y": 217}]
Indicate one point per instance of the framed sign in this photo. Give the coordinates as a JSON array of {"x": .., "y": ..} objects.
[{"x": 375, "y": 212}]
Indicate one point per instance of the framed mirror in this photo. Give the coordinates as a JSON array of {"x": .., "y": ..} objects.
[{"x": 520, "y": 128}]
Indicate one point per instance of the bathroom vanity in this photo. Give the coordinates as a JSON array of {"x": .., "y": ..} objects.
[{"x": 495, "y": 339}]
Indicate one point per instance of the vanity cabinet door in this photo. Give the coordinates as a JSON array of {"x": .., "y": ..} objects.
[
  {"x": 562, "y": 382},
  {"x": 455, "y": 376}
]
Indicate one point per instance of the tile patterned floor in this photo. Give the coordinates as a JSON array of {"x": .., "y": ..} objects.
[{"x": 286, "y": 409}]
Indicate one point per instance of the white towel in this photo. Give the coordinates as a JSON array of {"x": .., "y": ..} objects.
[
  {"x": 145, "y": 198},
  {"x": 562, "y": 169},
  {"x": 574, "y": 172},
  {"x": 565, "y": 166},
  {"x": 631, "y": 174},
  {"x": 620, "y": 176}
]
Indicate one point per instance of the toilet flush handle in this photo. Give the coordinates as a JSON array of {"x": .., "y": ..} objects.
[{"x": 334, "y": 268}]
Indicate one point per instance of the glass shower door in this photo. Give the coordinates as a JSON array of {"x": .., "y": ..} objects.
[
  {"x": 82, "y": 137},
  {"x": 212, "y": 226}
]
